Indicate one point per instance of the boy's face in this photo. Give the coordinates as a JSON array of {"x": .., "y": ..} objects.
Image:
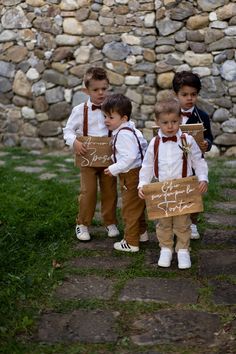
[
  {"x": 113, "y": 120},
  {"x": 97, "y": 91},
  {"x": 169, "y": 123},
  {"x": 187, "y": 97}
]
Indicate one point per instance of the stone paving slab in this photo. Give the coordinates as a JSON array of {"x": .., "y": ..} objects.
[
  {"x": 85, "y": 326},
  {"x": 173, "y": 291},
  {"x": 230, "y": 164},
  {"x": 47, "y": 176},
  {"x": 40, "y": 162},
  {"x": 97, "y": 243},
  {"x": 221, "y": 219},
  {"x": 217, "y": 262},
  {"x": 101, "y": 262},
  {"x": 85, "y": 287},
  {"x": 29, "y": 169},
  {"x": 224, "y": 293},
  {"x": 226, "y": 206},
  {"x": 3, "y": 153},
  {"x": 219, "y": 237},
  {"x": 2, "y": 163},
  {"x": 229, "y": 193},
  {"x": 228, "y": 180},
  {"x": 185, "y": 327}
]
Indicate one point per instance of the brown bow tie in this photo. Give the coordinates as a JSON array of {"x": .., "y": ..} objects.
[
  {"x": 95, "y": 107},
  {"x": 186, "y": 114},
  {"x": 169, "y": 138}
]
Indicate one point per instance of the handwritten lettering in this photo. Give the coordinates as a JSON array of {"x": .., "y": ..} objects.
[{"x": 174, "y": 197}]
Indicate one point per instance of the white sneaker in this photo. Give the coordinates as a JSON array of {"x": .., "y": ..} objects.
[
  {"x": 184, "y": 261},
  {"x": 112, "y": 231},
  {"x": 144, "y": 237},
  {"x": 124, "y": 246},
  {"x": 165, "y": 257},
  {"x": 82, "y": 233},
  {"x": 194, "y": 232}
]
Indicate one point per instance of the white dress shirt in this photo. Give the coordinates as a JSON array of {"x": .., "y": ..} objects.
[
  {"x": 170, "y": 161},
  {"x": 186, "y": 118},
  {"x": 74, "y": 125},
  {"x": 127, "y": 150}
]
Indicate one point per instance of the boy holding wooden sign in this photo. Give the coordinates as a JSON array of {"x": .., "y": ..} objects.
[
  {"x": 87, "y": 122},
  {"x": 187, "y": 86},
  {"x": 129, "y": 147},
  {"x": 172, "y": 155}
]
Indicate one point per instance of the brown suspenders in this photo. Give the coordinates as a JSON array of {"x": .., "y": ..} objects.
[
  {"x": 85, "y": 122},
  {"x": 156, "y": 148},
  {"x": 139, "y": 145}
]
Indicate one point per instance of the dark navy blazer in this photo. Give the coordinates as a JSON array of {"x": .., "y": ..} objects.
[{"x": 199, "y": 116}]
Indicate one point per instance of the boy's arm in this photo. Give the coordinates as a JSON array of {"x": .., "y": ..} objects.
[
  {"x": 198, "y": 162},
  {"x": 73, "y": 126},
  {"x": 127, "y": 151},
  {"x": 147, "y": 170}
]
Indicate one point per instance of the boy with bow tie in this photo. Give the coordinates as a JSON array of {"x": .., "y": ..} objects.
[
  {"x": 87, "y": 119},
  {"x": 187, "y": 86},
  {"x": 167, "y": 159}
]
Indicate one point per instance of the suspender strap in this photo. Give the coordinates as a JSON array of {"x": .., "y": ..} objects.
[
  {"x": 156, "y": 148},
  {"x": 184, "y": 167},
  {"x": 85, "y": 123},
  {"x": 114, "y": 143}
]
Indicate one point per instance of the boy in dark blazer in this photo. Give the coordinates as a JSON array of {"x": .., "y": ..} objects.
[{"x": 187, "y": 86}]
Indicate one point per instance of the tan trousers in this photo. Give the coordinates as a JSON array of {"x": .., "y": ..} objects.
[
  {"x": 175, "y": 225},
  {"x": 90, "y": 176},
  {"x": 133, "y": 208}
]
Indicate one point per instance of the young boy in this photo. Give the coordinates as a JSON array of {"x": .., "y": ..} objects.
[
  {"x": 164, "y": 161},
  {"x": 88, "y": 119},
  {"x": 187, "y": 86},
  {"x": 129, "y": 146}
]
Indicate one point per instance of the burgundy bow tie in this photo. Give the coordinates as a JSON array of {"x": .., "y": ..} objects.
[
  {"x": 186, "y": 114},
  {"x": 95, "y": 107},
  {"x": 169, "y": 138}
]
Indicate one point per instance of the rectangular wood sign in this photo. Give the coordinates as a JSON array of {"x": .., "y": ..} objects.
[
  {"x": 99, "y": 151},
  {"x": 173, "y": 197},
  {"x": 196, "y": 130}
]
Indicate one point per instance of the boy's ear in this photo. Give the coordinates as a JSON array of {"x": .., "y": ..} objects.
[{"x": 125, "y": 118}]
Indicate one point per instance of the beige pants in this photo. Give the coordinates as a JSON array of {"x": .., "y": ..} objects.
[
  {"x": 90, "y": 176},
  {"x": 133, "y": 208},
  {"x": 175, "y": 225}
]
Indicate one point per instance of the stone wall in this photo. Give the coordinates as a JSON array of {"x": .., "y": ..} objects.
[{"x": 46, "y": 46}]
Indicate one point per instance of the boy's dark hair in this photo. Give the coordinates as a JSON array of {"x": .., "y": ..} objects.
[
  {"x": 186, "y": 78},
  {"x": 117, "y": 103},
  {"x": 94, "y": 73},
  {"x": 167, "y": 106}
]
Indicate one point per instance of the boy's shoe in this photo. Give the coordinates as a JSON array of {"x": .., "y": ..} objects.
[
  {"x": 124, "y": 246},
  {"x": 112, "y": 231},
  {"x": 194, "y": 232},
  {"x": 165, "y": 257},
  {"x": 144, "y": 237},
  {"x": 82, "y": 233},
  {"x": 184, "y": 261}
]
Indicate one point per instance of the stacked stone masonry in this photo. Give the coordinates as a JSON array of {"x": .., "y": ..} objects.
[{"x": 46, "y": 47}]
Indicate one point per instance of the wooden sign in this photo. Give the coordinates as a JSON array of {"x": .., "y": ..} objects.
[
  {"x": 99, "y": 151},
  {"x": 173, "y": 197},
  {"x": 196, "y": 130}
]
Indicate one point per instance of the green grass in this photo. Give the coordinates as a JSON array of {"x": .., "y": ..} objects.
[{"x": 36, "y": 227}]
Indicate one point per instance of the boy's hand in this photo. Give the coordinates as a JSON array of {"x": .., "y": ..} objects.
[
  {"x": 203, "y": 146},
  {"x": 140, "y": 193},
  {"x": 107, "y": 172},
  {"x": 79, "y": 147},
  {"x": 203, "y": 186}
]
